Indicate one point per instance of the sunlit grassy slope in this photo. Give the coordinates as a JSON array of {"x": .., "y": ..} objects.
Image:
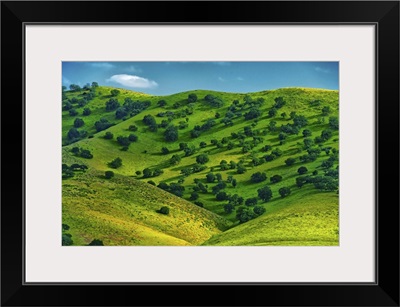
[
  {"x": 307, "y": 212},
  {"x": 122, "y": 211},
  {"x": 309, "y": 219}
]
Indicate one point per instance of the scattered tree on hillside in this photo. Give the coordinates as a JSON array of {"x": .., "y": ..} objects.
[
  {"x": 75, "y": 88},
  {"x": 221, "y": 195},
  {"x": 300, "y": 121},
  {"x": 123, "y": 141},
  {"x": 251, "y": 201},
  {"x": 306, "y": 133},
  {"x": 171, "y": 133},
  {"x": 175, "y": 159},
  {"x": 116, "y": 163},
  {"x": 290, "y": 161},
  {"x": 164, "y": 150},
  {"x": 108, "y": 135},
  {"x": 285, "y": 191},
  {"x": 334, "y": 123},
  {"x": 109, "y": 174},
  {"x": 66, "y": 239},
  {"x": 302, "y": 170},
  {"x": 189, "y": 150},
  {"x": 327, "y": 164},
  {"x": 213, "y": 101},
  {"x": 102, "y": 124},
  {"x": 112, "y": 105},
  {"x": 276, "y": 178},
  {"x": 252, "y": 114},
  {"x": 96, "y": 242},
  {"x": 194, "y": 196},
  {"x": 279, "y": 102},
  {"x": 258, "y": 177},
  {"x": 73, "y": 134},
  {"x": 114, "y": 92},
  {"x": 259, "y": 210},
  {"x": 234, "y": 183},
  {"x": 224, "y": 165},
  {"x": 192, "y": 98},
  {"x": 73, "y": 112},
  {"x": 86, "y": 112},
  {"x": 272, "y": 126},
  {"x": 199, "y": 203},
  {"x": 326, "y": 111},
  {"x": 241, "y": 169},
  {"x": 78, "y": 122},
  {"x": 301, "y": 181},
  {"x": 266, "y": 148},
  {"x": 147, "y": 173},
  {"x": 121, "y": 113},
  {"x": 265, "y": 193},
  {"x": 308, "y": 143},
  {"x": 210, "y": 177},
  {"x": 272, "y": 112},
  {"x": 85, "y": 153},
  {"x": 245, "y": 214},
  {"x": 277, "y": 152},
  {"x": 228, "y": 208},
  {"x": 325, "y": 183},
  {"x": 157, "y": 172},
  {"x": 67, "y": 106},
  {"x": 133, "y": 128},
  {"x": 149, "y": 120},
  {"x": 133, "y": 137},
  {"x": 202, "y": 159},
  {"x": 220, "y": 186},
  {"x": 326, "y": 134},
  {"x": 162, "y": 103}
]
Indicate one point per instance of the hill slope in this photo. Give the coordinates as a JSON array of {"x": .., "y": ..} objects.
[
  {"x": 296, "y": 125},
  {"x": 312, "y": 219},
  {"x": 122, "y": 211}
]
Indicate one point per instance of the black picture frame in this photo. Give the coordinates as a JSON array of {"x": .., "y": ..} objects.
[{"x": 383, "y": 14}]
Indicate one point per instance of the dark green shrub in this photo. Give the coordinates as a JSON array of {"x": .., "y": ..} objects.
[
  {"x": 163, "y": 210},
  {"x": 109, "y": 174}
]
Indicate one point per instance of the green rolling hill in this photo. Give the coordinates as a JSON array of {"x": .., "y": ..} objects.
[
  {"x": 230, "y": 135},
  {"x": 123, "y": 211},
  {"x": 310, "y": 219}
]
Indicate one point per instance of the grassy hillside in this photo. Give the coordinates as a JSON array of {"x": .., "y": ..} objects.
[
  {"x": 309, "y": 219},
  {"x": 229, "y": 137},
  {"x": 97, "y": 107},
  {"x": 122, "y": 211}
]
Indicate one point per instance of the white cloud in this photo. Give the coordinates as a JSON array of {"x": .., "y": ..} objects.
[
  {"x": 102, "y": 65},
  {"x": 221, "y": 79},
  {"x": 132, "y": 81},
  {"x": 320, "y": 69},
  {"x": 239, "y": 79}
]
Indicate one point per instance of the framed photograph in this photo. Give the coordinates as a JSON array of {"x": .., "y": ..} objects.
[{"x": 245, "y": 152}]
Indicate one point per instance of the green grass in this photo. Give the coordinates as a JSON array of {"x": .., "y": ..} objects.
[
  {"x": 146, "y": 153},
  {"x": 122, "y": 211},
  {"x": 308, "y": 219}
]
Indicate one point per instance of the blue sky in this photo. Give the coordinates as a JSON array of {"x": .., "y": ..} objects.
[{"x": 163, "y": 78}]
